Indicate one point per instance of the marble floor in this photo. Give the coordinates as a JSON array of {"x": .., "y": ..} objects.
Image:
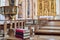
[{"x": 45, "y": 37}]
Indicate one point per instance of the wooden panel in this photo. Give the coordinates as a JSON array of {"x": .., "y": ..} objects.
[{"x": 46, "y": 7}]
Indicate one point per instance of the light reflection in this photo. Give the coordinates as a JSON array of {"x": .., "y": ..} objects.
[
  {"x": 52, "y": 39},
  {"x": 51, "y": 30}
]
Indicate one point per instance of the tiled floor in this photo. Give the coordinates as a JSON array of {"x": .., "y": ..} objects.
[{"x": 42, "y": 37}]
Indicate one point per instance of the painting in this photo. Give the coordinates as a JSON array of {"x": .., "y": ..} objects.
[
  {"x": 12, "y": 2},
  {"x": 46, "y": 7},
  {"x": 39, "y": 7},
  {"x": 20, "y": 14}
]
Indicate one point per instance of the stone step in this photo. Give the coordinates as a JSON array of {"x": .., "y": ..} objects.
[
  {"x": 48, "y": 32},
  {"x": 53, "y": 23},
  {"x": 50, "y": 28},
  {"x": 56, "y": 31}
]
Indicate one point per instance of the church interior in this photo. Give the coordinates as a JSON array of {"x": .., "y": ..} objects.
[{"x": 29, "y": 19}]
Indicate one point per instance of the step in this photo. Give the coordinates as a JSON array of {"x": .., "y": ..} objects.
[
  {"x": 48, "y": 32},
  {"x": 46, "y": 27},
  {"x": 55, "y": 31},
  {"x": 53, "y": 23}
]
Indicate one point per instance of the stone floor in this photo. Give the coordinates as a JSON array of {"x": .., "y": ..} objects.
[{"x": 45, "y": 37}]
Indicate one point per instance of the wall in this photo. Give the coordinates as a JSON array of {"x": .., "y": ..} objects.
[
  {"x": 57, "y": 7},
  {"x": 35, "y": 16}
]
